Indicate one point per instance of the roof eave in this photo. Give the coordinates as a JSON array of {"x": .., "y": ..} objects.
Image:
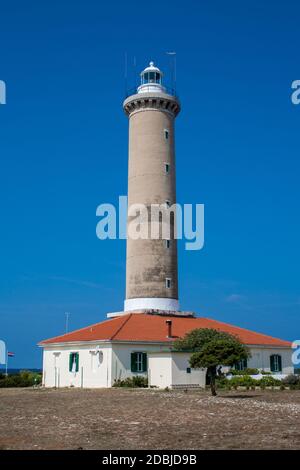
[{"x": 164, "y": 342}]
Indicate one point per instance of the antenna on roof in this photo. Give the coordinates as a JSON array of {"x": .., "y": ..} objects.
[{"x": 67, "y": 314}]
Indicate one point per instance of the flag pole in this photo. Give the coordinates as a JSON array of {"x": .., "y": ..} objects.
[{"x": 6, "y": 365}]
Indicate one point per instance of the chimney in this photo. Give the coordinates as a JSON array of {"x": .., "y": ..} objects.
[{"x": 169, "y": 323}]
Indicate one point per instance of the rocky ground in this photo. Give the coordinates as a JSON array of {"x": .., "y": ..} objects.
[{"x": 148, "y": 419}]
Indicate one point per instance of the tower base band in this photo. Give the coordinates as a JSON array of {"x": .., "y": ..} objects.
[{"x": 151, "y": 303}]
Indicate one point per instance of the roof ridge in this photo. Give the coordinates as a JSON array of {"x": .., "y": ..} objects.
[
  {"x": 124, "y": 322},
  {"x": 245, "y": 329}
]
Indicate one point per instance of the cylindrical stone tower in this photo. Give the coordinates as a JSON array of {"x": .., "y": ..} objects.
[{"x": 151, "y": 264}]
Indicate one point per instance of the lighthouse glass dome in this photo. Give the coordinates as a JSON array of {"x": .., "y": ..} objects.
[{"x": 151, "y": 80}]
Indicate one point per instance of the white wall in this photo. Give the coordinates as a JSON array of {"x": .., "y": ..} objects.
[
  {"x": 116, "y": 364},
  {"x": 180, "y": 376},
  {"x": 160, "y": 370},
  {"x": 121, "y": 358},
  {"x": 94, "y": 366},
  {"x": 261, "y": 358},
  {"x": 168, "y": 369}
]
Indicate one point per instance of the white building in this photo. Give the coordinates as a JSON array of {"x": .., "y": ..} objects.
[
  {"x": 140, "y": 344},
  {"x": 138, "y": 341}
]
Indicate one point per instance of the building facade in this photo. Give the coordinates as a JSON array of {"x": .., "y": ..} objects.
[{"x": 141, "y": 344}]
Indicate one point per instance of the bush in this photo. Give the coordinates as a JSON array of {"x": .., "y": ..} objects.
[
  {"x": 247, "y": 371},
  {"x": 264, "y": 372},
  {"x": 222, "y": 382},
  {"x": 251, "y": 383},
  {"x": 292, "y": 381},
  {"x": 24, "y": 378},
  {"x": 269, "y": 382},
  {"x": 138, "y": 381},
  {"x": 243, "y": 381}
]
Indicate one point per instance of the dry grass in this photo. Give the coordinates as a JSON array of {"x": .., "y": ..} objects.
[{"x": 148, "y": 419}]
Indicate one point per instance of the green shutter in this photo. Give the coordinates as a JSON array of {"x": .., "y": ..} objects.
[
  {"x": 144, "y": 362},
  {"x": 272, "y": 363},
  {"x": 241, "y": 365},
  {"x": 133, "y": 362},
  {"x": 77, "y": 362},
  {"x": 279, "y": 364},
  {"x": 70, "y": 362}
]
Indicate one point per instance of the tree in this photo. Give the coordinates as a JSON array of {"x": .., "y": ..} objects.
[{"x": 212, "y": 348}]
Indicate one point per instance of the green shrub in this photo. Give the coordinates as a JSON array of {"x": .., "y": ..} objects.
[
  {"x": 137, "y": 381},
  {"x": 24, "y": 378},
  {"x": 264, "y": 372},
  {"x": 247, "y": 371},
  {"x": 292, "y": 381},
  {"x": 249, "y": 382},
  {"x": 269, "y": 382},
  {"x": 222, "y": 382},
  {"x": 295, "y": 387},
  {"x": 243, "y": 381}
]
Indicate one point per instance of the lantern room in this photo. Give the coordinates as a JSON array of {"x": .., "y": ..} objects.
[{"x": 151, "y": 80}]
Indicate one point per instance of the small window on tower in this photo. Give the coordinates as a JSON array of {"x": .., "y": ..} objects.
[
  {"x": 167, "y": 168},
  {"x": 168, "y": 282},
  {"x": 167, "y": 202},
  {"x": 166, "y": 134},
  {"x": 168, "y": 243}
]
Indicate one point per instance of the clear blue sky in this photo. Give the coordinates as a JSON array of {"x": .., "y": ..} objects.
[{"x": 63, "y": 147}]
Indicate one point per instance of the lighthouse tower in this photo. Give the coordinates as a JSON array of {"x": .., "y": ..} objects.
[{"x": 151, "y": 264}]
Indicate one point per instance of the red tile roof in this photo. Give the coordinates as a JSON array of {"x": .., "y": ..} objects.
[{"x": 144, "y": 327}]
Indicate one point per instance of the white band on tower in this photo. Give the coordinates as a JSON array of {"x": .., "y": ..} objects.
[{"x": 149, "y": 303}]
